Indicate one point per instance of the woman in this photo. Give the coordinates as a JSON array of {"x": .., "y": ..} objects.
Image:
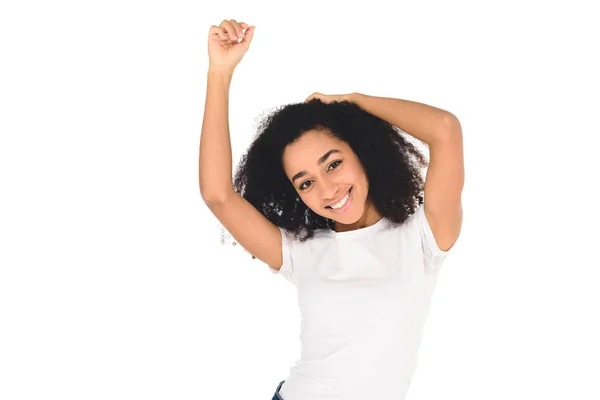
[{"x": 330, "y": 195}]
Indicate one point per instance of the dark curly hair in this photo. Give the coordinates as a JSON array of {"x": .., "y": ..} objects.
[{"x": 392, "y": 164}]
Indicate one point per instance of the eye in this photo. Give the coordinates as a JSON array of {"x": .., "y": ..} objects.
[
  {"x": 336, "y": 161},
  {"x": 302, "y": 187}
]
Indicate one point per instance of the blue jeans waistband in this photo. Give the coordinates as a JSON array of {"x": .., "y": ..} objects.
[{"x": 277, "y": 396}]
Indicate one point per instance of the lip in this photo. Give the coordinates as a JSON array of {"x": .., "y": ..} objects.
[{"x": 346, "y": 206}]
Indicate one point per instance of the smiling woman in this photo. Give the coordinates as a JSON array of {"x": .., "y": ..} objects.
[
  {"x": 335, "y": 170},
  {"x": 330, "y": 195},
  {"x": 323, "y": 153}
]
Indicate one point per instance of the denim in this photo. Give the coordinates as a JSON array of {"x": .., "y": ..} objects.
[{"x": 276, "y": 396}]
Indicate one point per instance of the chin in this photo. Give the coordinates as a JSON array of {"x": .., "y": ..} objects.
[{"x": 348, "y": 218}]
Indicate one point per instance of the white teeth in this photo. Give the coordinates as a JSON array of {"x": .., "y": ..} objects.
[{"x": 342, "y": 202}]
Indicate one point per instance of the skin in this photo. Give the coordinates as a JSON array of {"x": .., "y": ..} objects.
[{"x": 324, "y": 184}]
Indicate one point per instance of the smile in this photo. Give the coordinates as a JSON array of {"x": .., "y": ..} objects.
[{"x": 343, "y": 204}]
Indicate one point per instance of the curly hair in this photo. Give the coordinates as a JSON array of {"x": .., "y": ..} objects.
[{"x": 392, "y": 164}]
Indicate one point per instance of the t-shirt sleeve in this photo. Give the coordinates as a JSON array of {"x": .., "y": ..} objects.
[
  {"x": 287, "y": 268},
  {"x": 434, "y": 256}
]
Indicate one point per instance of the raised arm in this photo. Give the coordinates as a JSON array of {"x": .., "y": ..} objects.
[
  {"x": 215, "y": 171},
  {"x": 442, "y": 132},
  {"x": 254, "y": 232},
  {"x": 443, "y": 186}
]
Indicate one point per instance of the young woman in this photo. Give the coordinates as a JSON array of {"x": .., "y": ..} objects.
[{"x": 330, "y": 195}]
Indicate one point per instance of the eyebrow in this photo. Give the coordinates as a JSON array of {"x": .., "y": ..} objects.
[{"x": 322, "y": 159}]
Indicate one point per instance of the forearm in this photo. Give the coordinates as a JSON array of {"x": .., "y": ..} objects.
[
  {"x": 424, "y": 122},
  {"x": 215, "y": 144}
]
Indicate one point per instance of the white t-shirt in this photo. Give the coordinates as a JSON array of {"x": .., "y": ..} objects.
[{"x": 363, "y": 297}]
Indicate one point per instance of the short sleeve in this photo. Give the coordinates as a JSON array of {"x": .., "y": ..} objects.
[
  {"x": 287, "y": 268},
  {"x": 434, "y": 256}
]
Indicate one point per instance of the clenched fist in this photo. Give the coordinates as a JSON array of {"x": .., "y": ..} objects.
[{"x": 228, "y": 42}]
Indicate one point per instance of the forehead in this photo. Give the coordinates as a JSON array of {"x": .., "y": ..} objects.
[{"x": 304, "y": 152}]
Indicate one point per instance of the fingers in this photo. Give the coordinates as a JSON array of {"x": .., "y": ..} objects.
[
  {"x": 216, "y": 31},
  {"x": 248, "y": 35},
  {"x": 238, "y": 28},
  {"x": 312, "y": 96},
  {"x": 327, "y": 98},
  {"x": 233, "y": 29}
]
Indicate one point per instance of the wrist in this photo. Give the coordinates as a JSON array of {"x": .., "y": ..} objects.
[
  {"x": 220, "y": 70},
  {"x": 353, "y": 97}
]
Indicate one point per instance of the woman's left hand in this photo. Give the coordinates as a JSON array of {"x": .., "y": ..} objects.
[{"x": 328, "y": 98}]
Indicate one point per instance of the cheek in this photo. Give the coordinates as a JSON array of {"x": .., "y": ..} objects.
[
  {"x": 312, "y": 201},
  {"x": 305, "y": 199},
  {"x": 358, "y": 176},
  {"x": 361, "y": 181}
]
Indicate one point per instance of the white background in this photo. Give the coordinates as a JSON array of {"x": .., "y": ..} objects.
[{"x": 113, "y": 281}]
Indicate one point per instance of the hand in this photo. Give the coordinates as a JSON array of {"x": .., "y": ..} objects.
[
  {"x": 328, "y": 98},
  {"x": 224, "y": 50}
]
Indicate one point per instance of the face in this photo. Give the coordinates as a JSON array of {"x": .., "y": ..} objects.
[{"x": 330, "y": 179}]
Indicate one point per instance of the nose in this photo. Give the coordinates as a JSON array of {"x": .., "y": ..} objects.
[{"x": 331, "y": 191}]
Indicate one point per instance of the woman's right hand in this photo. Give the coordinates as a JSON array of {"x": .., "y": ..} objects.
[{"x": 224, "y": 51}]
